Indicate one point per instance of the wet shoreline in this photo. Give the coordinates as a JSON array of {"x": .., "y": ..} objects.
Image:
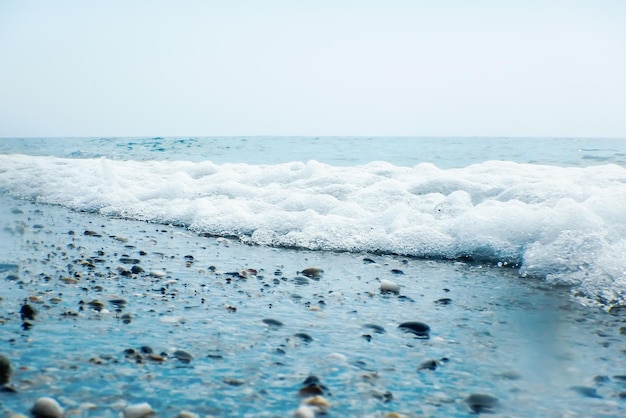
[{"x": 130, "y": 312}]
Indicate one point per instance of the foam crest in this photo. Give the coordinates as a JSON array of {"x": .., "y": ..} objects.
[{"x": 564, "y": 224}]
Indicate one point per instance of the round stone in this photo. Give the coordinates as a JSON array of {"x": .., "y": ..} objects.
[
  {"x": 387, "y": 286},
  {"x": 47, "y": 408}
]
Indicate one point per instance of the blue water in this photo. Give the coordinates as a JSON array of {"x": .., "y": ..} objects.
[
  {"x": 342, "y": 151},
  {"x": 510, "y": 249}
]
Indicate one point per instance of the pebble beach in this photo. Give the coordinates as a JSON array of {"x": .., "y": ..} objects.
[{"x": 106, "y": 317}]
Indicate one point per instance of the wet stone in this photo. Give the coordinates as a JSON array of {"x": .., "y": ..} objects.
[
  {"x": 313, "y": 272},
  {"x": 428, "y": 365},
  {"x": 443, "y": 301},
  {"x": 118, "y": 303},
  {"x": 146, "y": 349},
  {"x": 312, "y": 386},
  {"x": 481, "y": 402},
  {"x": 419, "y": 329},
  {"x": 182, "y": 356},
  {"x": 46, "y": 408},
  {"x": 27, "y": 312},
  {"x": 5, "y": 370},
  {"x": 304, "y": 337},
  {"x": 397, "y": 272},
  {"x": 136, "y": 270},
  {"x": 92, "y": 234},
  {"x": 272, "y": 323},
  {"x": 128, "y": 260}
]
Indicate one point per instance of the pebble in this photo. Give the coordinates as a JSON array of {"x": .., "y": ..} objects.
[
  {"x": 5, "y": 370},
  {"x": 47, "y": 408},
  {"x": 183, "y": 356},
  {"x": 387, "y": 286},
  {"x": 272, "y": 323},
  {"x": 140, "y": 410},
  {"x": 128, "y": 260},
  {"x": 428, "y": 365},
  {"x": 312, "y": 387},
  {"x": 157, "y": 273},
  {"x": 313, "y": 272},
  {"x": 481, "y": 402},
  {"x": 420, "y": 329},
  {"x": 27, "y": 312}
]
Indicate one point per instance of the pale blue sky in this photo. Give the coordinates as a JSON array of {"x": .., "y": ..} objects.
[{"x": 419, "y": 68}]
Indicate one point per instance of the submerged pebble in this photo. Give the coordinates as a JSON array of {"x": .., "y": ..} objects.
[
  {"x": 272, "y": 323},
  {"x": 420, "y": 329},
  {"x": 481, "y": 402},
  {"x": 46, "y": 408}
]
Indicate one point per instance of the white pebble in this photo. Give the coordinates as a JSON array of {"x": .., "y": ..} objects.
[
  {"x": 140, "y": 410},
  {"x": 157, "y": 273},
  {"x": 47, "y": 407},
  {"x": 304, "y": 412},
  {"x": 389, "y": 286}
]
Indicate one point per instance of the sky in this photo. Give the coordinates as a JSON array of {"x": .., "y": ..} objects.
[{"x": 73, "y": 68}]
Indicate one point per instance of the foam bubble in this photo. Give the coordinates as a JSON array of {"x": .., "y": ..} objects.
[{"x": 564, "y": 224}]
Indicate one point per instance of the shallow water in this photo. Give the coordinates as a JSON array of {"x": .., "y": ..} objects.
[{"x": 517, "y": 339}]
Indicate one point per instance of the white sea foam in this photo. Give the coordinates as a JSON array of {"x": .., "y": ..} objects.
[{"x": 565, "y": 224}]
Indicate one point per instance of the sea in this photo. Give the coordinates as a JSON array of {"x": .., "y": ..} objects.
[{"x": 250, "y": 276}]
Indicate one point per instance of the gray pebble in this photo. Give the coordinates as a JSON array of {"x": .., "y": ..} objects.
[{"x": 481, "y": 402}]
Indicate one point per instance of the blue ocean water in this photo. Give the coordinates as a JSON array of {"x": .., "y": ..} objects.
[{"x": 511, "y": 250}]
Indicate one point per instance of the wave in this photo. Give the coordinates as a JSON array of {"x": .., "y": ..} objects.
[{"x": 564, "y": 224}]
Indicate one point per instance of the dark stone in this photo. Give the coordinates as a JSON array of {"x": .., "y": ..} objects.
[
  {"x": 27, "y": 312},
  {"x": 367, "y": 260},
  {"x": 189, "y": 258},
  {"x": 428, "y": 365},
  {"x": 419, "y": 329},
  {"x": 598, "y": 380},
  {"x": 304, "y": 337},
  {"x": 183, "y": 356},
  {"x": 367, "y": 337},
  {"x": 91, "y": 234},
  {"x": 397, "y": 271},
  {"x": 136, "y": 270},
  {"x": 443, "y": 301},
  {"x": 128, "y": 260},
  {"x": 118, "y": 303},
  {"x": 5, "y": 370},
  {"x": 146, "y": 349},
  {"x": 312, "y": 386},
  {"x": 622, "y": 330},
  {"x": 273, "y": 323},
  {"x": 481, "y": 402}
]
